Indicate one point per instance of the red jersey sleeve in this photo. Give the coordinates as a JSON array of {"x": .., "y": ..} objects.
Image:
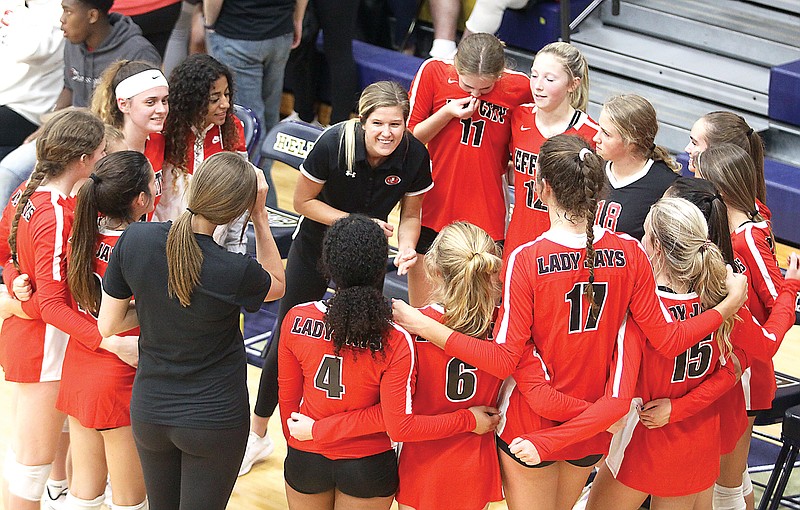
[
  {"x": 361, "y": 422},
  {"x": 763, "y": 341},
  {"x": 421, "y": 95},
  {"x": 240, "y": 145},
  {"x": 705, "y": 394},
  {"x": 608, "y": 409},
  {"x": 290, "y": 379},
  {"x": 668, "y": 336},
  {"x": 396, "y": 390},
  {"x": 512, "y": 330},
  {"x": 764, "y": 273},
  {"x": 49, "y": 240},
  {"x": 533, "y": 381}
]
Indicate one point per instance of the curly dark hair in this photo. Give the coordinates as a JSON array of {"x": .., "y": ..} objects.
[
  {"x": 354, "y": 256},
  {"x": 189, "y": 94}
]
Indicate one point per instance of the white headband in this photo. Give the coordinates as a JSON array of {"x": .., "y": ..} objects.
[
  {"x": 140, "y": 82},
  {"x": 582, "y": 154}
]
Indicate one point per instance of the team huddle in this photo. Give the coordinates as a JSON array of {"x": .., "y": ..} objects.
[{"x": 624, "y": 320}]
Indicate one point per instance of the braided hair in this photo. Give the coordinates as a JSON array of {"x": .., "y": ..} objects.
[
  {"x": 69, "y": 135},
  {"x": 575, "y": 173}
]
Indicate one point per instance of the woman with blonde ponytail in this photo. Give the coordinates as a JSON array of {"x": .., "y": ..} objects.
[
  {"x": 573, "y": 287},
  {"x": 189, "y": 408},
  {"x": 637, "y": 170},
  {"x": 344, "y": 354},
  {"x": 560, "y": 87}
]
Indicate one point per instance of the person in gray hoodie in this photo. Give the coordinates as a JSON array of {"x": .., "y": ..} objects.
[{"x": 95, "y": 39}]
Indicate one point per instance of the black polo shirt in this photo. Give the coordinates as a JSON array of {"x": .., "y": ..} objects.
[{"x": 370, "y": 191}]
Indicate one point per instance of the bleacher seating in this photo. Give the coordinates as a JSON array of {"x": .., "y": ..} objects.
[{"x": 252, "y": 129}]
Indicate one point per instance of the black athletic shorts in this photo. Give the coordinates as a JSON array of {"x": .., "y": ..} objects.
[
  {"x": 368, "y": 477},
  {"x": 427, "y": 235},
  {"x": 587, "y": 461}
]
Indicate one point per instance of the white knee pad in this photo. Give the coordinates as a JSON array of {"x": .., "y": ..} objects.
[
  {"x": 144, "y": 505},
  {"x": 747, "y": 483},
  {"x": 26, "y": 482},
  {"x": 728, "y": 498},
  {"x": 74, "y": 503}
]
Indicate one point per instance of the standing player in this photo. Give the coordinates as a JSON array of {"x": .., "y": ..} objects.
[
  {"x": 462, "y": 110},
  {"x": 366, "y": 165},
  {"x": 731, "y": 169},
  {"x": 637, "y": 170},
  {"x": 716, "y": 128},
  {"x": 560, "y": 87},
  {"x": 39, "y": 217},
  {"x": 133, "y": 97},
  {"x": 345, "y": 354},
  {"x": 119, "y": 192},
  {"x": 552, "y": 276}
]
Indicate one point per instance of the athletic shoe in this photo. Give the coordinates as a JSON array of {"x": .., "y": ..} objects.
[
  {"x": 258, "y": 449},
  {"x": 54, "y": 498}
]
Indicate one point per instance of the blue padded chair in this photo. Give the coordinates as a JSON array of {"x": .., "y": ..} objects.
[
  {"x": 289, "y": 142},
  {"x": 252, "y": 129}
]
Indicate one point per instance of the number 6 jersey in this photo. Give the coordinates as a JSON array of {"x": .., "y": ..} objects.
[{"x": 446, "y": 384}]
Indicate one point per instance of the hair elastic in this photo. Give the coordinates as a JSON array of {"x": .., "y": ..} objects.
[
  {"x": 706, "y": 245},
  {"x": 190, "y": 211},
  {"x": 749, "y": 132},
  {"x": 140, "y": 82},
  {"x": 582, "y": 154},
  {"x": 653, "y": 147},
  {"x": 93, "y": 176}
]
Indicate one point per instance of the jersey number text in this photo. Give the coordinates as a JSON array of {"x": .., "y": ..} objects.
[
  {"x": 329, "y": 377},
  {"x": 577, "y": 322}
]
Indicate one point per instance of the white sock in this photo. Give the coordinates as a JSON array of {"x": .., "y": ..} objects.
[
  {"x": 443, "y": 48},
  {"x": 141, "y": 506},
  {"x": 74, "y": 503},
  {"x": 728, "y": 498}
]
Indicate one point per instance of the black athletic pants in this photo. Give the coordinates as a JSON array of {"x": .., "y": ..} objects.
[
  {"x": 304, "y": 283},
  {"x": 188, "y": 469},
  {"x": 157, "y": 25},
  {"x": 337, "y": 19}
]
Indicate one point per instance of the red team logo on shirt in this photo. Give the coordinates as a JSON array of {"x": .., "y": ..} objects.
[{"x": 392, "y": 180}]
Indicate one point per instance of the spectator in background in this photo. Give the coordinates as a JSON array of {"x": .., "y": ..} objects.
[
  {"x": 337, "y": 20},
  {"x": 487, "y": 15},
  {"x": 444, "y": 14},
  {"x": 31, "y": 56},
  {"x": 188, "y": 36},
  {"x": 95, "y": 39},
  {"x": 156, "y": 18},
  {"x": 254, "y": 37}
]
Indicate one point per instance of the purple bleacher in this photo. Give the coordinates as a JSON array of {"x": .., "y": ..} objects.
[
  {"x": 784, "y": 91},
  {"x": 533, "y": 27}
]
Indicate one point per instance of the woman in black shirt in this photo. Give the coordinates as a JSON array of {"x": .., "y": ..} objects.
[{"x": 189, "y": 408}]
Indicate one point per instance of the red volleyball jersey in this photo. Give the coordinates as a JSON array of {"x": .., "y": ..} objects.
[
  {"x": 575, "y": 348},
  {"x": 469, "y": 156},
  {"x": 754, "y": 256},
  {"x": 102, "y": 401},
  {"x": 314, "y": 381},
  {"x": 529, "y": 218},
  {"x": 200, "y": 146},
  {"x": 32, "y": 350},
  {"x": 154, "y": 148},
  {"x": 670, "y": 461},
  {"x": 446, "y": 384}
]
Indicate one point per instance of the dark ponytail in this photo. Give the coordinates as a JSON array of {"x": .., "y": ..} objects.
[{"x": 116, "y": 182}]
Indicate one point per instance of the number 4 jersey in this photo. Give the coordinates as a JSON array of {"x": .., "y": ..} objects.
[
  {"x": 446, "y": 384},
  {"x": 469, "y": 156}
]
